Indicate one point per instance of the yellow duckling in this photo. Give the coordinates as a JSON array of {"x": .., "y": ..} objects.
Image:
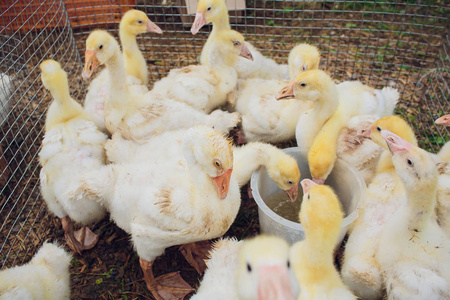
[{"x": 312, "y": 259}]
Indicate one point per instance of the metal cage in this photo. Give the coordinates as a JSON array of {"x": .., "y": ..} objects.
[{"x": 399, "y": 43}]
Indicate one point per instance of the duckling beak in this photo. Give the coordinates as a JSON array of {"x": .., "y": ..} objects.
[
  {"x": 245, "y": 52},
  {"x": 395, "y": 143},
  {"x": 307, "y": 184},
  {"x": 199, "y": 21},
  {"x": 274, "y": 283},
  {"x": 223, "y": 183},
  {"x": 287, "y": 92},
  {"x": 444, "y": 120},
  {"x": 293, "y": 193},
  {"x": 365, "y": 132},
  {"x": 152, "y": 27},
  {"x": 318, "y": 180},
  {"x": 91, "y": 63}
]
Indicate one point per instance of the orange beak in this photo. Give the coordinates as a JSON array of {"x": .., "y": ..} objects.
[
  {"x": 293, "y": 193},
  {"x": 274, "y": 283},
  {"x": 307, "y": 184},
  {"x": 90, "y": 64},
  {"x": 199, "y": 21},
  {"x": 245, "y": 52},
  {"x": 444, "y": 120},
  {"x": 287, "y": 92},
  {"x": 152, "y": 27},
  {"x": 223, "y": 183}
]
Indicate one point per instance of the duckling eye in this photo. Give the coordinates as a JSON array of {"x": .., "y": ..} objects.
[
  {"x": 100, "y": 47},
  {"x": 304, "y": 68},
  {"x": 288, "y": 264},
  {"x": 249, "y": 268},
  {"x": 217, "y": 163},
  {"x": 209, "y": 8},
  {"x": 140, "y": 22},
  {"x": 378, "y": 128},
  {"x": 409, "y": 162},
  {"x": 236, "y": 43},
  {"x": 309, "y": 196},
  {"x": 290, "y": 182},
  {"x": 302, "y": 84}
]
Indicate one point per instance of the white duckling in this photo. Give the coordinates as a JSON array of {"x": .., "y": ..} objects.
[
  {"x": 312, "y": 259},
  {"x": 139, "y": 117},
  {"x": 384, "y": 195},
  {"x": 72, "y": 146},
  {"x": 414, "y": 252},
  {"x": 172, "y": 201},
  {"x": 281, "y": 167},
  {"x": 355, "y": 99},
  {"x": 253, "y": 269},
  {"x": 133, "y": 22},
  {"x": 318, "y": 87},
  {"x": 216, "y": 12},
  {"x": 46, "y": 276},
  {"x": 206, "y": 87},
  {"x": 263, "y": 117}
]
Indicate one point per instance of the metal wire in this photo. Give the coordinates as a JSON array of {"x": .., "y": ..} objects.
[{"x": 404, "y": 44}]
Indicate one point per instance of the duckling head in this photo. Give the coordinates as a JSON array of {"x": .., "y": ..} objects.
[
  {"x": 303, "y": 57},
  {"x": 229, "y": 44},
  {"x": 209, "y": 11},
  {"x": 444, "y": 120},
  {"x": 135, "y": 22},
  {"x": 321, "y": 214},
  {"x": 100, "y": 47},
  {"x": 53, "y": 257},
  {"x": 283, "y": 169},
  {"x": 321, "y": 159},
  {"x": 309, "y": 85},
  {"x": 414, "y": 166},
  {"x": 208, "y": 148},
  {"x": 264, "y": 270},
  {"x": 54, "y": 77},
  {"x": 394, "y": 124}
]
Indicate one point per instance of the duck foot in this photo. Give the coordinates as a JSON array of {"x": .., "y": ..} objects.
[
  {"x": 196, "y": 253},
  {"x": 83, "y": 239},
  {"x": 165, "y": 287}
]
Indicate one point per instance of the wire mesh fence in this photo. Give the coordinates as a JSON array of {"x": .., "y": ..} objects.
[{"x": 404, "y": 44}]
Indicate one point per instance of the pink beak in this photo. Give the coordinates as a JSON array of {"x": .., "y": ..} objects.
[
  {"x": 91, "y": 63},
  {"x": 307, "y": 184},
  {"x": 318, "y": 180},
  {"x": 366, "y": 132},
  {"x": 245, "y": 52},
  {"x": 223, "y": 183},
  {"x": 274, "y": 283},
  {"x": 293, "y": 193},
  {"x": 444, "y": 120},
  {"x": 395, "y": 143},
  {"x": 199, "y": 21},
  {"x": 287, "y": 92},
  {"x": 152, "y": 27}
]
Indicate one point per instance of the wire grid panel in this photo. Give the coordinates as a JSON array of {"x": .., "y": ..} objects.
[{"x": 30, "y": 31}]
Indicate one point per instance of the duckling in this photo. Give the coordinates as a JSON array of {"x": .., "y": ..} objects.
[
  {"x": 315, "y": 86},
  {"x": 355, "y": 99},
  {"x": 281, "y": 167},
  {"x": 264, "y": 270},
  {"x": 444, "y": 153},
  {"x": 216, "y": 12},
  {"x": 139, "y": 117},
  {"x": 229, "y": 276},
  {"x": 46, "y": 276},
  {"x": 263, "y": 117},
  {"x": 384, "y": 195},
  {"x": 312, "y": 259},
  {"x": 414, "y": 253},
  {"x": 206, "y": 87},
  {"x": 72, "y": 145},
  {"x": 133, "y": 22},
  {"x": 171, "y": 201}
]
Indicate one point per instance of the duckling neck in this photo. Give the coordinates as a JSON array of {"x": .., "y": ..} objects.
[
  {"x": 421, "y": 203},
  {"x": 319, "y": 259},
  {"x": 221, "y": 64},
  {"x": 135, "y": 64},
  {"x": 63, "y": 108},
  {"x": 249, "y": 158},
  {"x": 116, "y": 70},
  {"x": 221, "y": 22},
  {"x": 385, "y": 163}
]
